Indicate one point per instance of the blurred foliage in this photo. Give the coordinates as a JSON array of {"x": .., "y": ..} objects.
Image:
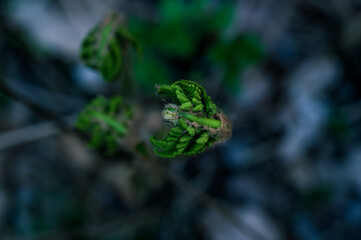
[
  {"x": 151, "y": 70},
  {"x": 338, "y": 124},
  {"x": 182, "y": 27},
  {"x": 235, "y": 56},
  {"x": 317, "y": 196},
  {"x": 189, "y": 38},
  {"x": 106, "y": 121}
]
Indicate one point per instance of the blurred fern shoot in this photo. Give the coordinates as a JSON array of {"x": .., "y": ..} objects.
[
  {"x": 106, "y": 47},
  {"x": 106, "y": 122}
]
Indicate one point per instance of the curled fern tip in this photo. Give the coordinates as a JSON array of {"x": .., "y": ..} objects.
[{"x": 198, "y": 123}]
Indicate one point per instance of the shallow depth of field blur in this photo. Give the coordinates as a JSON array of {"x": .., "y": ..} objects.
[{"x": 286, "y": 72}]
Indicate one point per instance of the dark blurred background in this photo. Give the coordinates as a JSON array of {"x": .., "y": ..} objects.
[{"x": 286, "y": 72}]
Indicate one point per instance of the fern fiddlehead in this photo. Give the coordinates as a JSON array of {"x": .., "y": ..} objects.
[
  {"x": 198, "y": 123},
  {"x": 106, "y": 122},
  {"x": 104, "y": 47}
]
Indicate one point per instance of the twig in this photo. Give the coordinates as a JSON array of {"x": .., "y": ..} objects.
[
  {"x": 64, "y": 123},
  {"x": 27, "y": 134}
]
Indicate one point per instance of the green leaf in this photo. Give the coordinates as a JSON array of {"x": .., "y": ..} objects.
[
  {"x": 151, "y": 71},
  {"x": 172, "y": 10},
  {"x": 236, "y": 55}
]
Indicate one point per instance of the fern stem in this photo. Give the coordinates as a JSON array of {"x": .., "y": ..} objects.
[
  {"x": 213, "y": 123},
  {"x": 119, "y": 127}
]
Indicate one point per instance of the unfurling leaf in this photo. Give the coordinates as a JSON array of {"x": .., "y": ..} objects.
[
  {"x": 106, "y": 122},
  {"x": 198, "y": 123},
  {"x": 104, "y": 48}
]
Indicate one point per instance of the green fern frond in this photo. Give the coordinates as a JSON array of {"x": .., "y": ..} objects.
[
  {"x": 198, "y": 122},
  {"x": 105, "y": 121},
  {"x": 103, "y": 49}
]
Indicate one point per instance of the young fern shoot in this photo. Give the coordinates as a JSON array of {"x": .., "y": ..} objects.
[
  {"x": 106, "y": 121},
  {"x": 105, "y": 47},
  {"x": 198, "y": 123}
]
